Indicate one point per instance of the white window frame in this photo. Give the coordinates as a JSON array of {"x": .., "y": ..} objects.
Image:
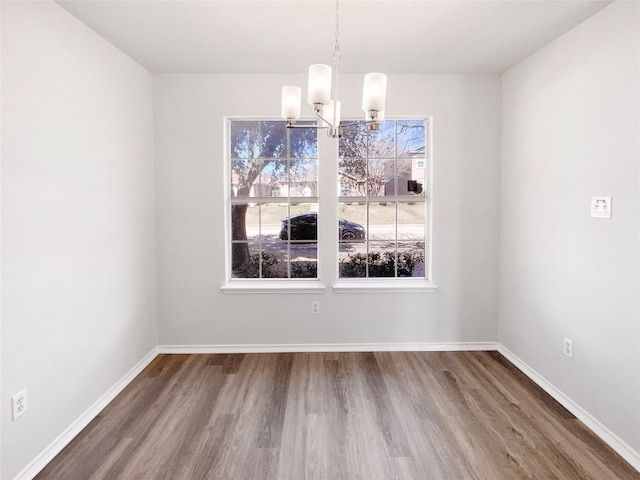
[
  {"x": 328, "y": 246},
  {"x": 259, "y": 285},
  {"x": 399, "y": 284}
]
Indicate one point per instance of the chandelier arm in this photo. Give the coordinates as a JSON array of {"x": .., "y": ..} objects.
[
  {"x": 293, "y": 125},
  {"x": 353, "y": 130},
  {"x": 357, "y": 130},
  {"x": 330, "y": 124},
  {"x": 360, "y": 122},
  {"x": 340, "y": 128}
]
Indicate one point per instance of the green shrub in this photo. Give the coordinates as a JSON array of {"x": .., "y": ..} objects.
[
  {"x": 270, "y": 267},
  {"x": 304, "y": 270},
  {"x": 274, "y": 268},
  {"x": 381, "y": 265}
]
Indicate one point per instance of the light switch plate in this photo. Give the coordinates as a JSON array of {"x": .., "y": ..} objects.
[{"x": 601, "y": 207}]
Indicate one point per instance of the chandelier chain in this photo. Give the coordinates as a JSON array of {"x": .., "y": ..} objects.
[{"x": 336, "y": 49}]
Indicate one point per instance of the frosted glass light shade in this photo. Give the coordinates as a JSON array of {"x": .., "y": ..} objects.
[
  {"x": 291, "y": 98},
  {"x": 319, "y": 84},
  {"x": 374, "y": 92},
  {"x": 332, "y": 113}
]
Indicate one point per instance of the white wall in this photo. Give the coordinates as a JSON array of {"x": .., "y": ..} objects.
[
  {"x": 189, "y": 111},
  {"x": 77, "y": 199},
  {"x": 78, "y": 299},
  {"x": 571, "y": 131}
]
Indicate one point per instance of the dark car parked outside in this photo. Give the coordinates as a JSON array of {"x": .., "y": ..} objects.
[{"x": 304, "y": 226}]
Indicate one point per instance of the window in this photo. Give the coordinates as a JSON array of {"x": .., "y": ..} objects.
[
  {"x": 273, "y": 200},
  {"x": 378, "y": 195},
  {"x": 382, "y": 201}
]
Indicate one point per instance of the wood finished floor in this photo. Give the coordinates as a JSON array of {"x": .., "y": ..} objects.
[{"x": 330, "y": 416}]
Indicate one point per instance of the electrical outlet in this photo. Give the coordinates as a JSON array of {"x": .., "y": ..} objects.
[
  {"x": 18, "y": 404},
  {"x": 567, "y": 348},
  {"x": 315, "y": 308}
]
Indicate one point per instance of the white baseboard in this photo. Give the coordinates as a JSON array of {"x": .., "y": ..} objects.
[
  {"x": 330, "y": 347},
  {"x": 76, "y": 427},
  {"x": 606, "y": 435}
]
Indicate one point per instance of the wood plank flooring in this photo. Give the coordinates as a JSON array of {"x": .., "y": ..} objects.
[{"x": 331, "y": 416}]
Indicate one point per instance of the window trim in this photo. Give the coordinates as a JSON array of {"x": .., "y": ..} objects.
[
  {"x": 338, "y": 285},
  {"x": 380, "y": 284},
  {"x": 273, "y": 285},
  {"x": 377, "y": 285},
  {"x": 260, "y": 285}
]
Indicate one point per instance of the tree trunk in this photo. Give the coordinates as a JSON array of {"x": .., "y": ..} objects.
[{"x": 240, "y": 257}]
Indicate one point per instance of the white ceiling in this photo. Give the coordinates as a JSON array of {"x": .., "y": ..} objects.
[{"x": 264, "y": 36}]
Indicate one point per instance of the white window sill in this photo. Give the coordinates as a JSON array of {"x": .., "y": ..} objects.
[
  {"x": 384, "y": 286},
  {"x": 342, "y": 286},
  {"x": 249, "y": 287}
]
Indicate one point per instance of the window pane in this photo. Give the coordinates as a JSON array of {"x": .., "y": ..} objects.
[
  {"x": 382, "y": 259},
  {"x": 380, "y": 177},
  {"x": 411, "y": 257},
  {"x": 304, "y": 260},
  {"x": 382, "y": 143},
  {"x": 270, "y": 216},
  {"x": 273, "y": 180},
  {"x": 382, "y": 221},
  {"x": 352, "y": 255},
  {"x": 407, "y": 180},
  {"x": 411, "y": 221},
  {"x": 245, "y": 222},
  {"x": 257, "y": 222},
  {"x": 245, "y": 139},
  {"x": 411, "y": 170},
  {"x": 352, "y": 177},
  {"x": 352, "y": 221},
  {"x": 302, "y": 225},
  {"x": 303, "y": 178},
  {"x": 236, "y": 171},
  {"x": 244, "y": 173},
  {"x": 244, "y": 260},
  {"x": 411, "y": 138},
  {"x": 353, "y": 260},
  {"x": 274, "y": 261},
  {"x": 303, "y": 142},
  {"x": 353, "y": 144},
  {"x": 274, "y": 139},
  {"x": 238, "y": 222},
  {"x": 259, "y": 178}
]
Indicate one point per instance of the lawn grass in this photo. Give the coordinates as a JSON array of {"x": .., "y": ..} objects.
[
  {"x": 273, "y": 213},
  {"x": 383, "y": 213}
]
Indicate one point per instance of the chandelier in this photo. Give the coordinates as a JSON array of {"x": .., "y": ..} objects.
[{"x": 323, "y": 96}]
